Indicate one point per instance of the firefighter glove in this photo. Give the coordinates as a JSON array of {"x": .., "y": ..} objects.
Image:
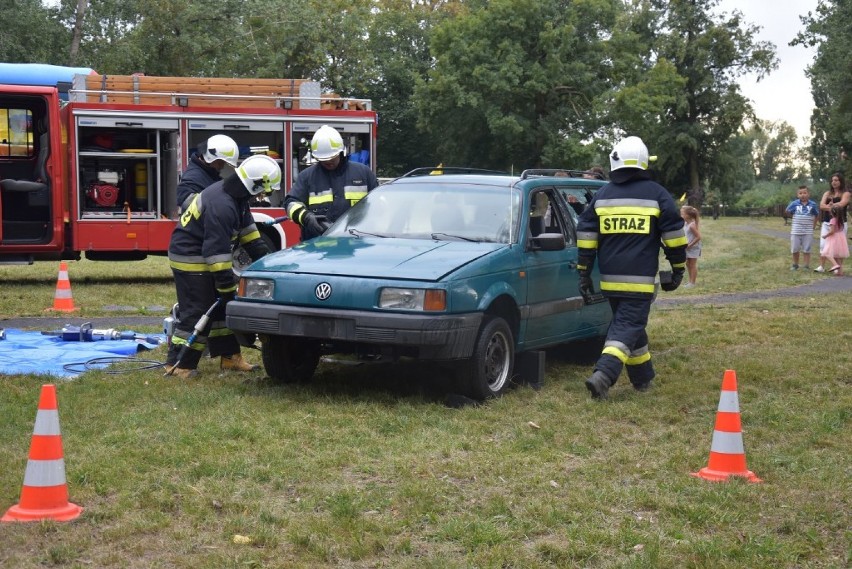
[
  {"x": 225, "y": 298},
  {"x": 313, "y": 225},
  {"x": 669, "y": 281},
  {"x": 587, "y": 287}
]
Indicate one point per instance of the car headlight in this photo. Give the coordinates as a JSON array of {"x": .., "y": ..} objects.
[
  {"x": 257, "y": 289},
  {"x": 413, "y": 299}
]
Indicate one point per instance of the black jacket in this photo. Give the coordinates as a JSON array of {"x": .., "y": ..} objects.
[
  {"x": 197, "y": 176},
  {"x": 329, "y": 192},
  {"x": 216, "y": 220},
  {"x": 624, "y": 226}
]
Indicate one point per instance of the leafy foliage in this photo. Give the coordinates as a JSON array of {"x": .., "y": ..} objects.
[{"x": 831, "y": 74}]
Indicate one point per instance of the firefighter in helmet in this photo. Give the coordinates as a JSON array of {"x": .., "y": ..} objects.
[
  {"x": 200, "y": 257},
  {"x": 322, "y": 192},
  {"x": 624, "y": 227},
  {"x": 205, "y": 166}
]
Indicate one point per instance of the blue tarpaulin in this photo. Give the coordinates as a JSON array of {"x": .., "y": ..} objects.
[{"x": 26, "y": 351}]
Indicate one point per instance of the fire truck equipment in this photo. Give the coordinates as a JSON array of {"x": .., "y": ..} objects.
[
  {"x": 103, "y": 194},
  {"x": 140, "y": 176}
]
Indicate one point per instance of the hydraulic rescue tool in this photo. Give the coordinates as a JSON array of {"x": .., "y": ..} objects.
[
  {"x": 199, "y": 327},
  {"x": 87, "y": 333}
]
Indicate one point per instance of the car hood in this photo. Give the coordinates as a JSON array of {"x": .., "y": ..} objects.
[{"x": 415, "y": 259}]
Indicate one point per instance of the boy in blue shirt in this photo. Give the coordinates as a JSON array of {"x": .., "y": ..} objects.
[{"x": 805, "y": 214}]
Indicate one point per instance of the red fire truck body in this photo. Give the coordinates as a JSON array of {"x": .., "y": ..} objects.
[{"x": 96, "y": 175}]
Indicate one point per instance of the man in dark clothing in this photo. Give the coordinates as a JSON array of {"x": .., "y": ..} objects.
[
  {"x": 624, "y": 226},
  {"x": 327, "y": 188},
  {"x": 205, "y": 167},
  {"x": 201, "y": 262}
]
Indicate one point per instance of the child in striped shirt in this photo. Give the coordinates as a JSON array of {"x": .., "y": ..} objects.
[{"x": 805, "y": 214}]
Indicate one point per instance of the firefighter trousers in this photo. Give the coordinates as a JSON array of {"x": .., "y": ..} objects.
[
  {"x": 196, "y": 293},
  {"x": 627, "y": 342}
]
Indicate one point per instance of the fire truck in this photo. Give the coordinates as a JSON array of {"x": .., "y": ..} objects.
[{"x": 89, "y": 164}]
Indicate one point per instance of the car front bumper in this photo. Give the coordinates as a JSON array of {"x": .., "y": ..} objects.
[{"x": 435, "y": 336}]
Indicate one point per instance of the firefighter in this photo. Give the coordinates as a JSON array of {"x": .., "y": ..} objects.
[
  {"x": 624, "y": 225},
  {"x": 205, "y": 167},
  {"x": 200, "y": 257},
  {"x": 327, "y": 188}
]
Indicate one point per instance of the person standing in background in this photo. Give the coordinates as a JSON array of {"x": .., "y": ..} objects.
[
  {"x": 837, "y": 195},
  {"x": 805, "y": 214},
  {"x": 836, "y": 247},
  {"x": 691, "y": 219}
]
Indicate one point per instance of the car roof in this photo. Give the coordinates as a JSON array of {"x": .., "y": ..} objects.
[{"x": 461, "y": 175}]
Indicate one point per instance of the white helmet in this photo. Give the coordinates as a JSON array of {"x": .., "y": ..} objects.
[
  {"x": 260, "y": 173},
  {"x": 631, "y": 152},
  {"x": 221, "y": 147},
  {"x": 326, "y": 143}
]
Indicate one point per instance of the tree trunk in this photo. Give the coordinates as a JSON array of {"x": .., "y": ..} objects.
[
  {"x": 694, "y": 194},
  {"x": 78, "y": 31}
]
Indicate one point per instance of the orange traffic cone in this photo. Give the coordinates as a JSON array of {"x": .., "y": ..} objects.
[
  {"x": 45, "y": 493},
  {"x": 727, "y": 456},
  {"x": 62, "y": 300}
]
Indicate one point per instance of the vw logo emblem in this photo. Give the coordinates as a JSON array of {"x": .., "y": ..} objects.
[{"x": 323, "y": 291}]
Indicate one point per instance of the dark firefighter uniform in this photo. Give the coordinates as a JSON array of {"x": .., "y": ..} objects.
[
  {"x": 624, "y": 226},
  {"x": 327, "y": 192},
  {"x": 200, "y": 255},
  {"x": 197, "y": 176}
]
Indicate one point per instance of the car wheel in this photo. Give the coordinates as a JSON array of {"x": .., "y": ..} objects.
[
  {"x": 288, "y": 360},
  {"x": 490, "y": 368}
]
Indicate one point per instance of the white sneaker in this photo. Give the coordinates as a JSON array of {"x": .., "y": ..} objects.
[
  {"x": 687, "y": 285},
  {"x": 819, "y": 269}
]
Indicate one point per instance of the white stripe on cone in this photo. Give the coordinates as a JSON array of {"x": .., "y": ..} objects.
[
  {"x": 46, "y": 422},
  {"x": 727, "y": 443},
  {"x": 40, "y": 473}
]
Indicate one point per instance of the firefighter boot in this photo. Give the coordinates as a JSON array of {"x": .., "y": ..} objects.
[
  {"x": 236, "y": 362},
  {"x": 598, "y": 385},
  {"x": 184, "y": 373}
]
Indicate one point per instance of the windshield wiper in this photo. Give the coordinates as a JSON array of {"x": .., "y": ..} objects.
[
  {"x": 356, "y": 233},
  {"x": 455, "y": 237}
]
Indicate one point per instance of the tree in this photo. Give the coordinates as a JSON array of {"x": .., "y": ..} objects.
[
  {"x": 689, "y": 104},
  {"x": 399, "y": 42},
  {"x": 514, "y": 83},
  {"x": 31, "y": 33},
  {"x": 774, "y": 150},
  {"x": 831, "y": 74}
]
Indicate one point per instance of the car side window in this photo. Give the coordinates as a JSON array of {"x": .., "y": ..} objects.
[{"x": 547, "y": 216}]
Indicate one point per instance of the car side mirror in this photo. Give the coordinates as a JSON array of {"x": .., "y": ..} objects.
[{"x": 548, "y": 242}]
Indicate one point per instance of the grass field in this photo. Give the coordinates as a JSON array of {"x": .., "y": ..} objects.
[{"x": 365, "y": 466}]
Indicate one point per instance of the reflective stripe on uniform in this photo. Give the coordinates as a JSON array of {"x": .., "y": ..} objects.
[
  {"x": 639, "y": 356},
  {"x": 587, "y": 239},
  {"x": 627, "y": 283},
  {"x": 616, "y": 349},
  {"x": 674, "y": 238},
  {"x": 324, "y": 197}
]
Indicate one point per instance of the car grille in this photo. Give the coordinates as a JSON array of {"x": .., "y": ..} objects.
[
  {"x": 261, "y": 325},
  {"x": 374, "y": 334}
]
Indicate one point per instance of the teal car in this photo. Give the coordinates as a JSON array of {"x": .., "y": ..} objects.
[{"x": 468, "y": 268}]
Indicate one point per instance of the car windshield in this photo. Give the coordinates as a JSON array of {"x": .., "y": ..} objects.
[{"x": 444, "y": 212}]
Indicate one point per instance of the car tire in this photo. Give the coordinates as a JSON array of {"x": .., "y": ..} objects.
[
  {"x": 290, "y": 360},
  {"x": 488, "y": 372}
]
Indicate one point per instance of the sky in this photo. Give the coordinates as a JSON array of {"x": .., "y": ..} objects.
[{"x": 784, "y": 94}]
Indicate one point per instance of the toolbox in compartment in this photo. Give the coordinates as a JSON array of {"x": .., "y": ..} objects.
[{"x": 120, "y": 166}]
